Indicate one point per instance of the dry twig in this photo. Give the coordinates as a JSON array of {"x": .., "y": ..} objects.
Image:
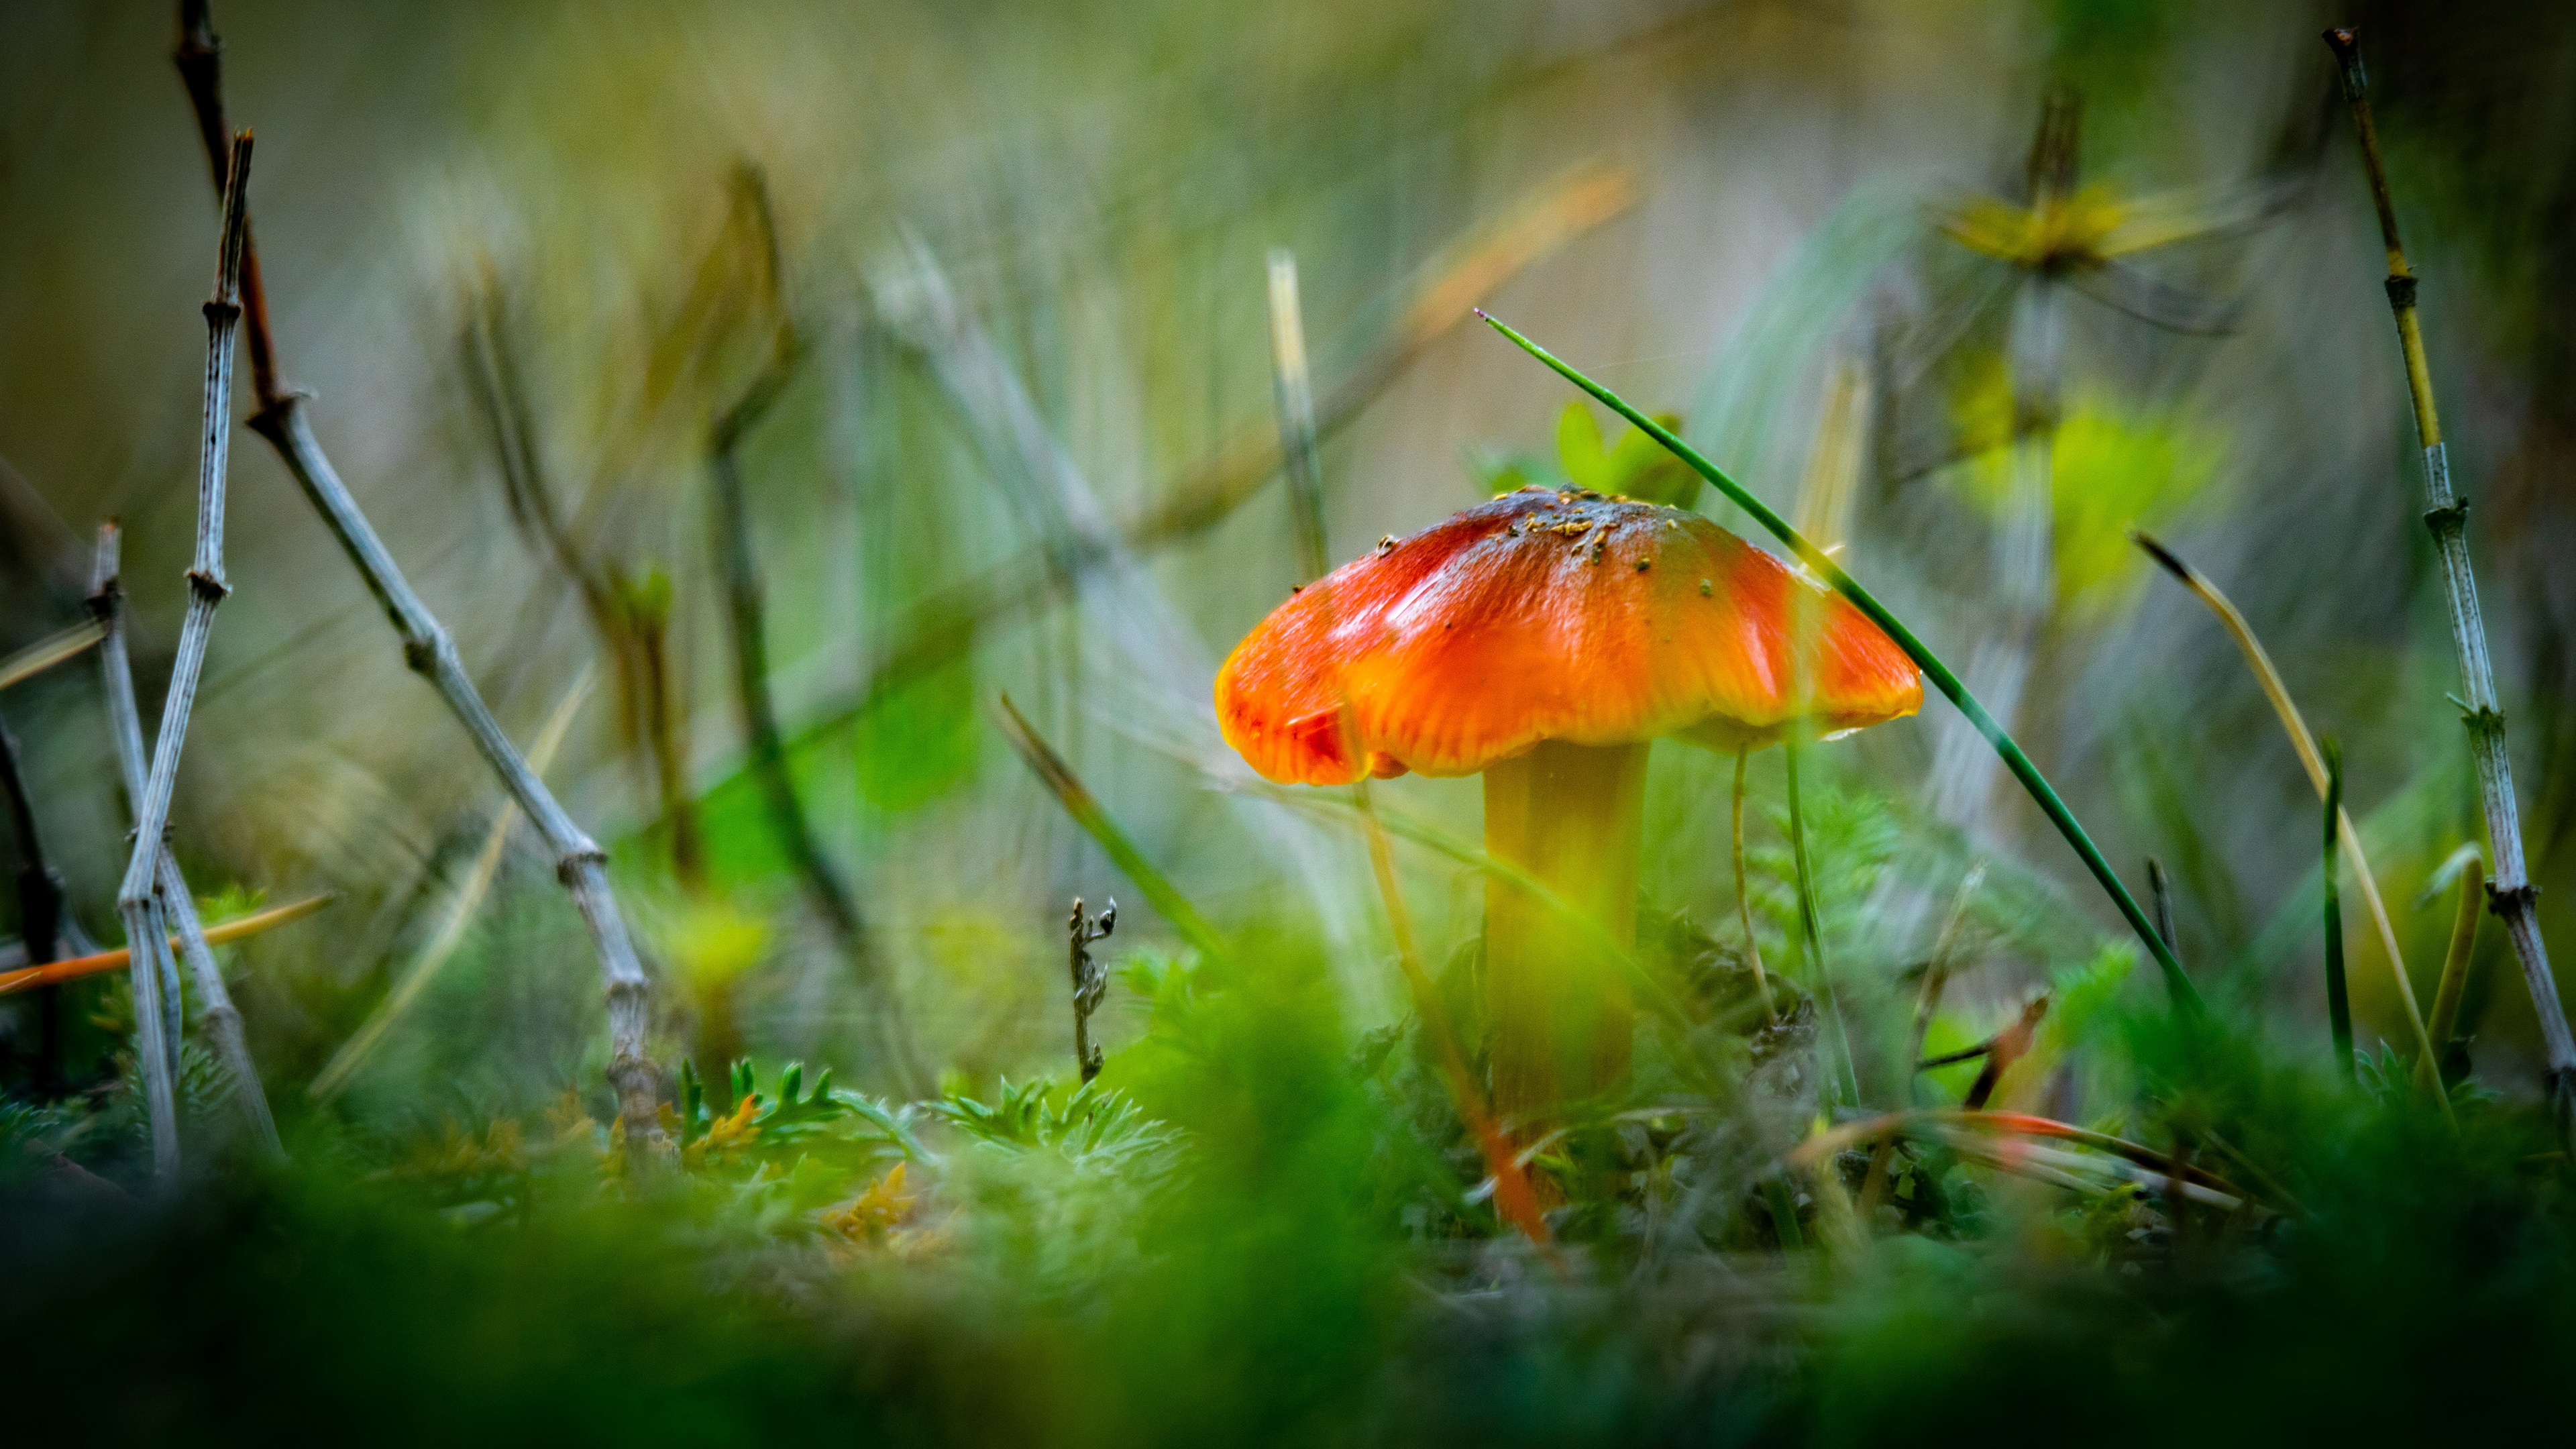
[
  {"x": 2511, "y": 895},
  {"x": 215, "y": 1004},
  {"x": 579, "y": 862},
  {"x": 137, "y": 898}
]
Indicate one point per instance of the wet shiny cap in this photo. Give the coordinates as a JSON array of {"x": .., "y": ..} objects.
[{"x": 1549, "y": 615}]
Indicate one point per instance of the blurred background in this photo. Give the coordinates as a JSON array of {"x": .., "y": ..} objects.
[{"x": 1005, "y": 269}]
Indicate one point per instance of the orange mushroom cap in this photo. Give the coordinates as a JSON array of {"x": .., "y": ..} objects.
[{"x": 1549, "y": 615}]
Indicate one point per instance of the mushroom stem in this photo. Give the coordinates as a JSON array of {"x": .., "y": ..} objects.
[
  {"x": 1743, "y": 902},
  {"x": 1561, "y": 1017}
]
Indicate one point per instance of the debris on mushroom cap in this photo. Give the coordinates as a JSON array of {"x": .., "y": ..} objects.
[{"x": 1485, "y": 634}]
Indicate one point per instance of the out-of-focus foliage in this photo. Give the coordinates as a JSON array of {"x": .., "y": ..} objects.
[{"x": 1010, "y": 262}]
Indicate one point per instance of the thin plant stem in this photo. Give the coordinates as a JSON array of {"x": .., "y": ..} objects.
[
  {"x": 135, "y": 896},
  {"x": 222, "y": 933},
  {"x": 49, "y": 651},
  {"x": 2338, "y": 995},
  {"x": 1292, "y": 388},
  {"x": 2511, "y": 894},
  {"x": 1104, "y": 829},
  {"x": 155, "y": 1001},
  {"x": 178, "y": 904},
  {"x": 1743, "y": 899},
  {"x": 200, "y": 59},
  {"x": 2304, "y": 743},
  {"x": 2178, "y": 985},
  {"x": 1090, "y": 980},
  {"x": 579, "y": 862},
  {"x": 353, "y": 1054},
  {"x": 1812, "y": 932},
  {"x": 2455, "y": 962},
  {"x": 824, "y": 884}
]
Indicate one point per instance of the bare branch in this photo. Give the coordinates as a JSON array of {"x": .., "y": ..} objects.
[
  {"x": 136, "y": 897},
  {"x": 2511, "y": 895},
  {"x": 579, "y": 862},
  {"x": 177, "y": 903}
]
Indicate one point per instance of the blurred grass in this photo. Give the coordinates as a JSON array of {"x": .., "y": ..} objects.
[{"x": 1266, "y": 1223}]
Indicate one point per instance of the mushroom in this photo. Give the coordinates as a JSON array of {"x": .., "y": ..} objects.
[{"x": 1546, "y": 639}]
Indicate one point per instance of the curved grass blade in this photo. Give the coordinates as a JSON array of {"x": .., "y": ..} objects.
[
  {"x": 1096, "y": 822},
  {"x": 47, "y": 652},
  {"x": 2184, "y": 994},
  {"x": 2293, "y": 724},
  {"x": 55, "y": 972}
]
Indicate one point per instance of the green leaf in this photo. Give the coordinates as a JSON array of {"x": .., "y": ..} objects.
[{"x": 1578, "y": 447}]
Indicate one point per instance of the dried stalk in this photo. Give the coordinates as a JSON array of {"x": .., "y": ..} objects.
[
  {"x": 136, "y": 896},
  {"x": 47, "y": 652},
  {"x": 824, "y": 884},
  {"x": 1292, "y": 389},
  {"x": 1090, "y": 979},
  {"x": 177, "y": 903},
  {"x": 631, "y": 616},
  {"x": 579, "y": 862},
  {"x": 2511, "y": 895},
  {"x": 2259, "y": 660},
  {"x": 153, "y": 976},
  {"x": 31, "y": 977}
]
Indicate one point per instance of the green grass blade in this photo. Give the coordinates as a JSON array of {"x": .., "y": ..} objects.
[
  {"x": 2179, "y": 985},
  {"x": 1103, "y": 828}
]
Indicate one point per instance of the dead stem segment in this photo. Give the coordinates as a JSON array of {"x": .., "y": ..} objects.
[
  {"x": 136, "y": 897},
  {"x": 151, "y": 975},
  {"x": 579, "y": 862},
  {"x": 176, "y": 902},
  {"x": 2511, "y": 896},
  {"x": 1090, "y": 979},
  {"x": 2295, "y": 725}
]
